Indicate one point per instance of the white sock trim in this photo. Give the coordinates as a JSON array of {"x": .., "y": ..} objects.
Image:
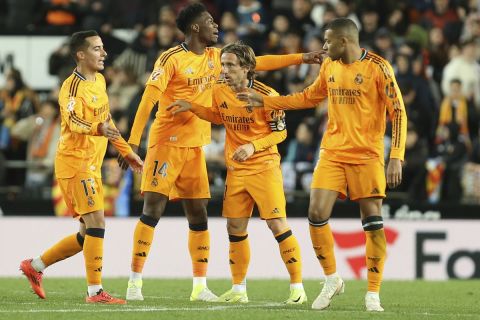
[
  {"x": 199, "y": 281},
  {"x": 135, "y": 276},
  {"x": 239, "y": 288},
  {"x": 333, "y": 275},
  {"x": 296, "y": 286},
  {"x": 93, "y": 289},
  {"x": 38, "y": 264}
]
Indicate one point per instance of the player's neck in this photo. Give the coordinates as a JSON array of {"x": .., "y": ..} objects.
[
  {"x": 352, "y": 55},
  {"x": 240, "y": 86},
  {"x": 88, "y": 74},
  {"x": 195, "y": 45}
]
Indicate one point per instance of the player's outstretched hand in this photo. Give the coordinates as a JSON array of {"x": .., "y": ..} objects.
[
  {"x": 243, "y": 152},
  {"x": 394, "y": 173},
  {"x": 314, "y": 57},
  {"x": 106, "y": 130},
  {"x": 252, "y": 98},
  {"x": 122, "y": 163},
  {"x": 179, "y": 106},
  {"x": 134, "y": 162}
]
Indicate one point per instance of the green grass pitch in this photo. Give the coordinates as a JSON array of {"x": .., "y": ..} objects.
[{"x": 168, "y": 299}]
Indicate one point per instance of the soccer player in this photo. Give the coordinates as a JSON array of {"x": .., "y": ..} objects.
[
  {"x": 360, "y": 87},
  {"x": 175, "y": 163},
  {"x": 86, "y": 128},
  {"x": 253, "y": 164}
]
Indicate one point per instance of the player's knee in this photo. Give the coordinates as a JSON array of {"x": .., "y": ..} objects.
[
  {"x": 318, "y": 213},
  {"x": 277, "y": 225},
  {"x": 154, "y": 207}
]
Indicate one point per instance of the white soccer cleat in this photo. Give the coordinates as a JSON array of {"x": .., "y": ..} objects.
[
  {"x": 332, "y": 286},
  {"x": 297, "y": 296},
  {"x": 372, "y": 302},
  {"x": 233, "y": 297},
  {"x": 134, "y": 290},
  {"x": 202, "y": 293}
]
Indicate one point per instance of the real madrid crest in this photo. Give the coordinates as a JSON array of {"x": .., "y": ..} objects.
[
  {"x": 358, "y": 78},
  {"x": 154, "y": 182},
  {"x": 210, "y": 64},
  {"x": 90, "y": 202}
]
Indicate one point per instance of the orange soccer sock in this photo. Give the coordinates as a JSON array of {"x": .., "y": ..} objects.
[
  {"x": 93, "y": 255},
  {"x": 239, "y": 255},
  {"x": 291, "y": 255},
  {"x": 63, "y": 249},
  {"x": 322, "y": 241},
  {"x": 142, "y": 241},
  {"x": 376, "y": 251},
  {"x": 199, "y": 248}
]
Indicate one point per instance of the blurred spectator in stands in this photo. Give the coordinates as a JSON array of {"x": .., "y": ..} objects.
[
  {"x": 454, "y": 108},
  {"x": 467, "y": 69},
  {"x": 96, "y": 13},
  {"x": 17, "y": 101},
  {"x": 471, "y": 27},
  {"x": 124, "y": 86},
  {"x": 417, "y": 98},
  {"x": 22, "y": 15},
  {"x": 298, "y": 163},
  {"x": 452, "y": 149},
  {"x": 323, "y": 12},
  {"x": 416, "y": 154},
  {"x": 346, "y": 9},
  {"x": 253, "y": 21},
  {"x": 398, "y": 19},
  {"x": 61, "y": 63},
  {"x": 61, "y": 16},
  {"x": 300, "y": 19},
  {"x": 168, "y": 16},
  {"x": 113, "y": 45},
  {"x": 41, "y": 132},
  {"x": 280, "y": 27},
  {"x": 383, "y": 44},
  {"x": 215, "y": 157},
  {"x": 370, "y": 21},
  {"x": 437, "y": 53},
  {"x": 228, "y": 24},
  {"x": 443, "y": 15}
]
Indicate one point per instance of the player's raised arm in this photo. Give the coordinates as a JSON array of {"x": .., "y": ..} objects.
[
  {"x": 208, "y": 114},
  {"x": 274, "y": 62}
]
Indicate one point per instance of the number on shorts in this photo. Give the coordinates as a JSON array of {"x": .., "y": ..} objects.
[
  {"x": 90, "y": 181},
  {"x": 162, "y": 171}
]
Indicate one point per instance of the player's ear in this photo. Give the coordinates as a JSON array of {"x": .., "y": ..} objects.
[
  {"x": 80, "y": 55},
  {"x": 195, "y": 27}
]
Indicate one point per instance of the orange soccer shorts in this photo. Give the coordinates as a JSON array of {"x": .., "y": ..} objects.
[
  {"x": 361, "y": 180},
  {"x": 176, "y": 172},
  {"x": 264, "y": 188},
  {"x": 83, "y": 193}
]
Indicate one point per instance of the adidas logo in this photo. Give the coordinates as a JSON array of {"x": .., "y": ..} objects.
[
  {"x": 231, "y": 261},
  {"x": 141, "y": 254},
  {"x": 98, "y": 270},
  {"x": 291, "y": 260},
  {"x": 320, "y": 257},
  {"x": 275, "y": 210},
  {"x": 331, "y": 79},
  {"x": 205, "y": 260},
  {"x": 374, "y": 269},
  {"x": 374, "y": 191}
]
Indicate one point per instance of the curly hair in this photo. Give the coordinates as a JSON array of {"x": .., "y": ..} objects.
[{"x": 188, "y": 14}]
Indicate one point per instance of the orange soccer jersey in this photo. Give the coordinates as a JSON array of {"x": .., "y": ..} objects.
[
  {"x": 83, "y": 106},
  {"x": 180, "y": 74},
  {"x": 359, "y": 94},
  {"x": 265, "y": 129}
]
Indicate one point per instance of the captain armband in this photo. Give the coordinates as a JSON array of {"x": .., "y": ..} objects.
[{"x": 278, "y": 124}]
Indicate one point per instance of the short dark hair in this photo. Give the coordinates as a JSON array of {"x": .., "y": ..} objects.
[
  {"x": 344, "y": 24},
  {"x": 245, "y": 56},
  {"x": 456, "y": 80},
  {"x": 188, "y": 14},
  {"x": 78, "y": 42}
]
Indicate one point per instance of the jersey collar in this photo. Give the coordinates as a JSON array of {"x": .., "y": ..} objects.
[
  {"x": 364, "y": 54},
  {"x": 184, "y": 46},
  {"x": 78, "y": 74}
]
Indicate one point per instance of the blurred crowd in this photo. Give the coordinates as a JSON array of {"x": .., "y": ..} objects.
[{"x": 434, "y": 47}]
